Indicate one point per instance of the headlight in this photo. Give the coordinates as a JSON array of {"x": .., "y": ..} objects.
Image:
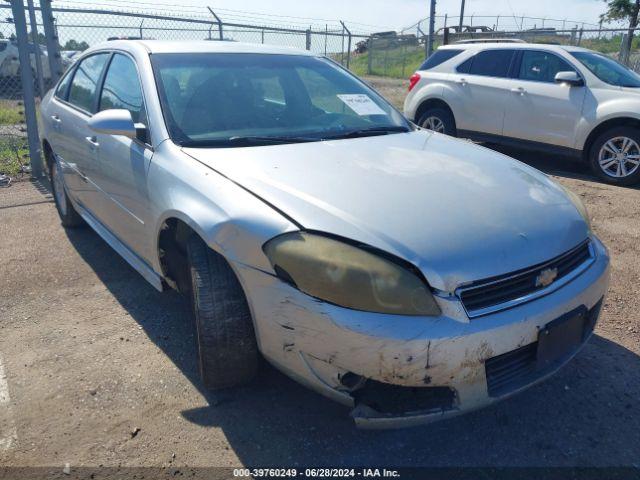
[
  {"x": 577, "y": 202},
  {"x": 348, "y": 276}
]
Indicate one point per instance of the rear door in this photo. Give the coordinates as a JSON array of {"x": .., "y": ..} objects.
[
  {"x": 79, "y": 141},
  {"x": 479, "y": 89},
  {"x": 538, "y": 108},
  {"x": 122, "y": 162}
]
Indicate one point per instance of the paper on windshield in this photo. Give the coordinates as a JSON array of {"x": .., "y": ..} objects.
[{"x": 361, "y": 104}]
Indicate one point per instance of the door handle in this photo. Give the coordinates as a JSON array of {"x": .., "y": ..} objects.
[
  {"x": 519, "y": 90},
  {"x": 56, "y": 118},
  {"x": 93, "y": 142},
  {"x": 461, "y": 81}
]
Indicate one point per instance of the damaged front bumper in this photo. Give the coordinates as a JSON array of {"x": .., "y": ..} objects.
[{"x": 398, "y": 371}]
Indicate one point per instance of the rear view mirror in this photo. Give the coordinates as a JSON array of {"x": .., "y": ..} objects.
[
  {"x": 113, "y": 122},
  {"x": 571, "y": 78}
]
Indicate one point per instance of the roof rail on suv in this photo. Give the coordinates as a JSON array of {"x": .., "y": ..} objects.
[{"x": 490, "y": 40}]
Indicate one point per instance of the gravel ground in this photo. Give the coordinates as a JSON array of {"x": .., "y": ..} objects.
[{"x": 101, "y": 369}]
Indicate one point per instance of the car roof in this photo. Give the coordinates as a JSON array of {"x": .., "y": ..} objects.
[
  {"x": 198, "y": 46},
  {"x": 518, "y": 46}
]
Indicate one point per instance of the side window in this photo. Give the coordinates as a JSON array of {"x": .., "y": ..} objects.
[
  {"x": 465, "y": 66},
  {"x": 63, "y": 86},
  {"x": 439, "y": 57},
  {"x": 122, "y": 88},
  {"x": 540, "y": 66},
  {"x": 492, "y": 63},
  {"x": 85, "y": 81}
]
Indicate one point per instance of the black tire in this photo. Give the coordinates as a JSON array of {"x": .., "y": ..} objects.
[
  {"x": 228, "y": 353},
  {"x": 444, "y": 116},
  {"x": 594, "y": 156},
  {"x": 69, "y": 217}
]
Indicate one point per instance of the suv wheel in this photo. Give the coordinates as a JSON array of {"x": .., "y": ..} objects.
[
  {"x": 438, "y": 120},
  {"x": 615, "y": 156},
  {"x": 227, "y": 347},
  {"x": 69, "y": 217}
]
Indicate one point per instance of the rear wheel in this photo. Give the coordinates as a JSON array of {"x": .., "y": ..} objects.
[
  {"x": 615, "y": 156},
  {"x": 69, "y": 217},
  {"x": 438, "y": 120},
  {"x": 227, "y": 347}
]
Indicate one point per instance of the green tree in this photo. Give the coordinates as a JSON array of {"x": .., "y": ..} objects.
[
  {"x": 75, "y": 45},
  {"x": 625, "y": 10},
  {"x": 42, "y": 40}
]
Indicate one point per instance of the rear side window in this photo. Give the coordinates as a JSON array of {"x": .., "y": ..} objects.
[
  {"x": 439, "y": 57},
  {"x": 63, "y": 86},
  {"x": 85, "y": 81},
  {"x": 491, "y": 63}
]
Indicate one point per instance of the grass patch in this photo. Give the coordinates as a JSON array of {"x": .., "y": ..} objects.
[
  {"x": 398, "y": 62},
  {"x": 13, "y": 151},
  {"x": 10, "y": 114}
]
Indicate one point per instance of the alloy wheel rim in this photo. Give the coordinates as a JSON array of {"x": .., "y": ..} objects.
[
  {"x": 619, "y": 157},
  {"x": 434, "y": 124},
  {"x": 58, "y": 189}
]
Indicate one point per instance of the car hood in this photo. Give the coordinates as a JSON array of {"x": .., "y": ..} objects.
[{"x": 457, "y": 211}]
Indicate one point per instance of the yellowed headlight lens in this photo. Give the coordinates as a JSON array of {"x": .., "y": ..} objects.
[{"x": 349, "y": 276}]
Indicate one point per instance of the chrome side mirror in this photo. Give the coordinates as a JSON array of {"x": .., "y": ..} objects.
[{"x": 570, "y": 78}]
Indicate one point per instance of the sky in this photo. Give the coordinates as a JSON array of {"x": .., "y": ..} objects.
[{"x": 397, "y": 14}]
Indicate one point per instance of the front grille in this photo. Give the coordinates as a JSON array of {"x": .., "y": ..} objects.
[
  {"x": 515, "y": 369},
  {"x": 490, "y": 294}
]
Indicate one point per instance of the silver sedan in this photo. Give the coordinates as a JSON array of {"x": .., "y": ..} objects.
[{"x": 407, "y": 274}]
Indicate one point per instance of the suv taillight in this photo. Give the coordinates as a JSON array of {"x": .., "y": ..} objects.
[{"x": 415, "y": 78}]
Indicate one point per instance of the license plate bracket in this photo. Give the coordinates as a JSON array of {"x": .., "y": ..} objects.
[{"x": 560, "y": 338}]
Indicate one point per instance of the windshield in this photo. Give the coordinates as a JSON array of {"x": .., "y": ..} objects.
[
  {"x": 608, "y": 70},
  {"x": 229, "y": 99}
]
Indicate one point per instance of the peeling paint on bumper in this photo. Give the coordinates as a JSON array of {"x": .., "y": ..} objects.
[{"x": 317, "y": 343}]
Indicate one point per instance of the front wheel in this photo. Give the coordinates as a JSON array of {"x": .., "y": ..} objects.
[
  {"x": 615, "y": 156},
  {"x": 438, "y": 120},
  {"x": 226, "y": 340}
]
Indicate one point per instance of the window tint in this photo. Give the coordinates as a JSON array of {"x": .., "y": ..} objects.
[
  {"x": 438, "y": 57},
  {"x": 608, "y": 70},
  {"x": 122, "y": 88},
  {"x": 542, "y": 66},
  {"x": 61, "y": 91},
  {"x": 85, "y": 81},
  {"x": 492, "y": 63}
]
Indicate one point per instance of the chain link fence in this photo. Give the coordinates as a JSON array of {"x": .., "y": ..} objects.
[
  {"x": 14, "y": 158},
  {"x": 398, "y": 55}
]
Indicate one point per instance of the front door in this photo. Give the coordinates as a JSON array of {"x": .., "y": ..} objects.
[
  {"x": 123, "y": 163},
  {"x": 539, "y": 109}
]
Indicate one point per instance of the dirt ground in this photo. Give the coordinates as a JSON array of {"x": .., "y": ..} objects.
[{"x": 99, "y": 369}]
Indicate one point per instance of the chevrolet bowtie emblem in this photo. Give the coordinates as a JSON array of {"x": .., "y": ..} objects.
[{"x": 546, "y": 277}]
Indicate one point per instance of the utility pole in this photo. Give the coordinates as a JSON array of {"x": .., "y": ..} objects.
[
  {"x": 461, "y": 14},
  {"x": 432, "y": 27}
]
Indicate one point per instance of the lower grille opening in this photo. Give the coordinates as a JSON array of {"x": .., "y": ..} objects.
[
  {"x": 394, "y": 399},
  {"x": 515, "y": 369}
]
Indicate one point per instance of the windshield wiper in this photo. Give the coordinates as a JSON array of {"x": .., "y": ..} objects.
[
  {"x": 256, "y": 139},
  {"x": 368, "y": 132},
  {"x": 248, "y": 140}
]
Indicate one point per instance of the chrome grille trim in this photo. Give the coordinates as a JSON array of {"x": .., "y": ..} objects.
[{"x": 492, "y": 286}]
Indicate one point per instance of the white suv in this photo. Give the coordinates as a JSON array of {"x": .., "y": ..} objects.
[{"x": 563, "y": 99}]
